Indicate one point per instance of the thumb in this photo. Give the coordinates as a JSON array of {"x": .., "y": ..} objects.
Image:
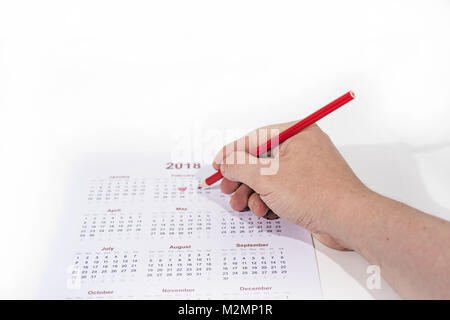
[{"x": 242, "y": 167}]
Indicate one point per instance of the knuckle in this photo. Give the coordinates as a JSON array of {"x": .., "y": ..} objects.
[
  {"x": 237, "y": 203},
  {"x": 254, "y": 201}
]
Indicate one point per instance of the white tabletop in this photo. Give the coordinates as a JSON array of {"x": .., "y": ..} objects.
[{"x": 129, "y": 76}]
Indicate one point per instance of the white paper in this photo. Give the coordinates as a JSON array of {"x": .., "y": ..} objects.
[{"x": 144, "y": 231}]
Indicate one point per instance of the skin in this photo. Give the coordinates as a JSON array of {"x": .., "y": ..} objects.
[{"x": 316, "y": 189}]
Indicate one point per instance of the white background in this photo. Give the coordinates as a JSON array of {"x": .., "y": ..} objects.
[{"x": 84, "y": 77}]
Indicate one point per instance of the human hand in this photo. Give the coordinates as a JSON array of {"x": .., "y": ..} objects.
[
  {"x": 311, "y": 187},
  {"x": 316, "y": 189}
]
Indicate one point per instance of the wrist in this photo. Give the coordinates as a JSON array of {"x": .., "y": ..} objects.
[{"x": 348, "y": 218}]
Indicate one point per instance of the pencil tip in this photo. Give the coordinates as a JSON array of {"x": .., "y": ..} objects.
[{"x": 202, "y": 185}]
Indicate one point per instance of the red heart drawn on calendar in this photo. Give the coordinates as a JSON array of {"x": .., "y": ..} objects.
[{"x": 182, "y": 189}]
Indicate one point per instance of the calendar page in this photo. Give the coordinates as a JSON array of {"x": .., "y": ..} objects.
[{"x": 145, "y": 231}]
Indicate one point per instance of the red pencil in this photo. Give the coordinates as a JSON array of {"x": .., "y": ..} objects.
[{"x": 291, "y": 131}]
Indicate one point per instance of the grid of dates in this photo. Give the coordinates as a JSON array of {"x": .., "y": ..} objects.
[
  {"x": 112, "y": 190},
  {"x": 103, "y": 266},
  {"x": 245, "y": 223},
  {"x": 179, "y": 264},
  {"x": 253, "y": 262},
  {"x": 180, "y": 224},
  {"x": 111, "y": 226}
]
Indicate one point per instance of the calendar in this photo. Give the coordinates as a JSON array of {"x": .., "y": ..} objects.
[{"x": 145, "y": 231}]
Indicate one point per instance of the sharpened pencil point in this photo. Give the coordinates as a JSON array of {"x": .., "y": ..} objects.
[{"x": 202, "y": 185}]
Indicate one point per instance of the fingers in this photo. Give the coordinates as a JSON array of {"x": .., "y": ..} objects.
[
  {"x": 271, "y": 216},
  {"x": 257, "y": 206},
  {"x": 249, "y": 142},
  {"x": 242, "y": 144},
  {"x": 239, "y": 200},
  {"x": 228, "y": 186},
  {"x": 245, "y": 197},
  {"x": 243, "y": 167}
]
